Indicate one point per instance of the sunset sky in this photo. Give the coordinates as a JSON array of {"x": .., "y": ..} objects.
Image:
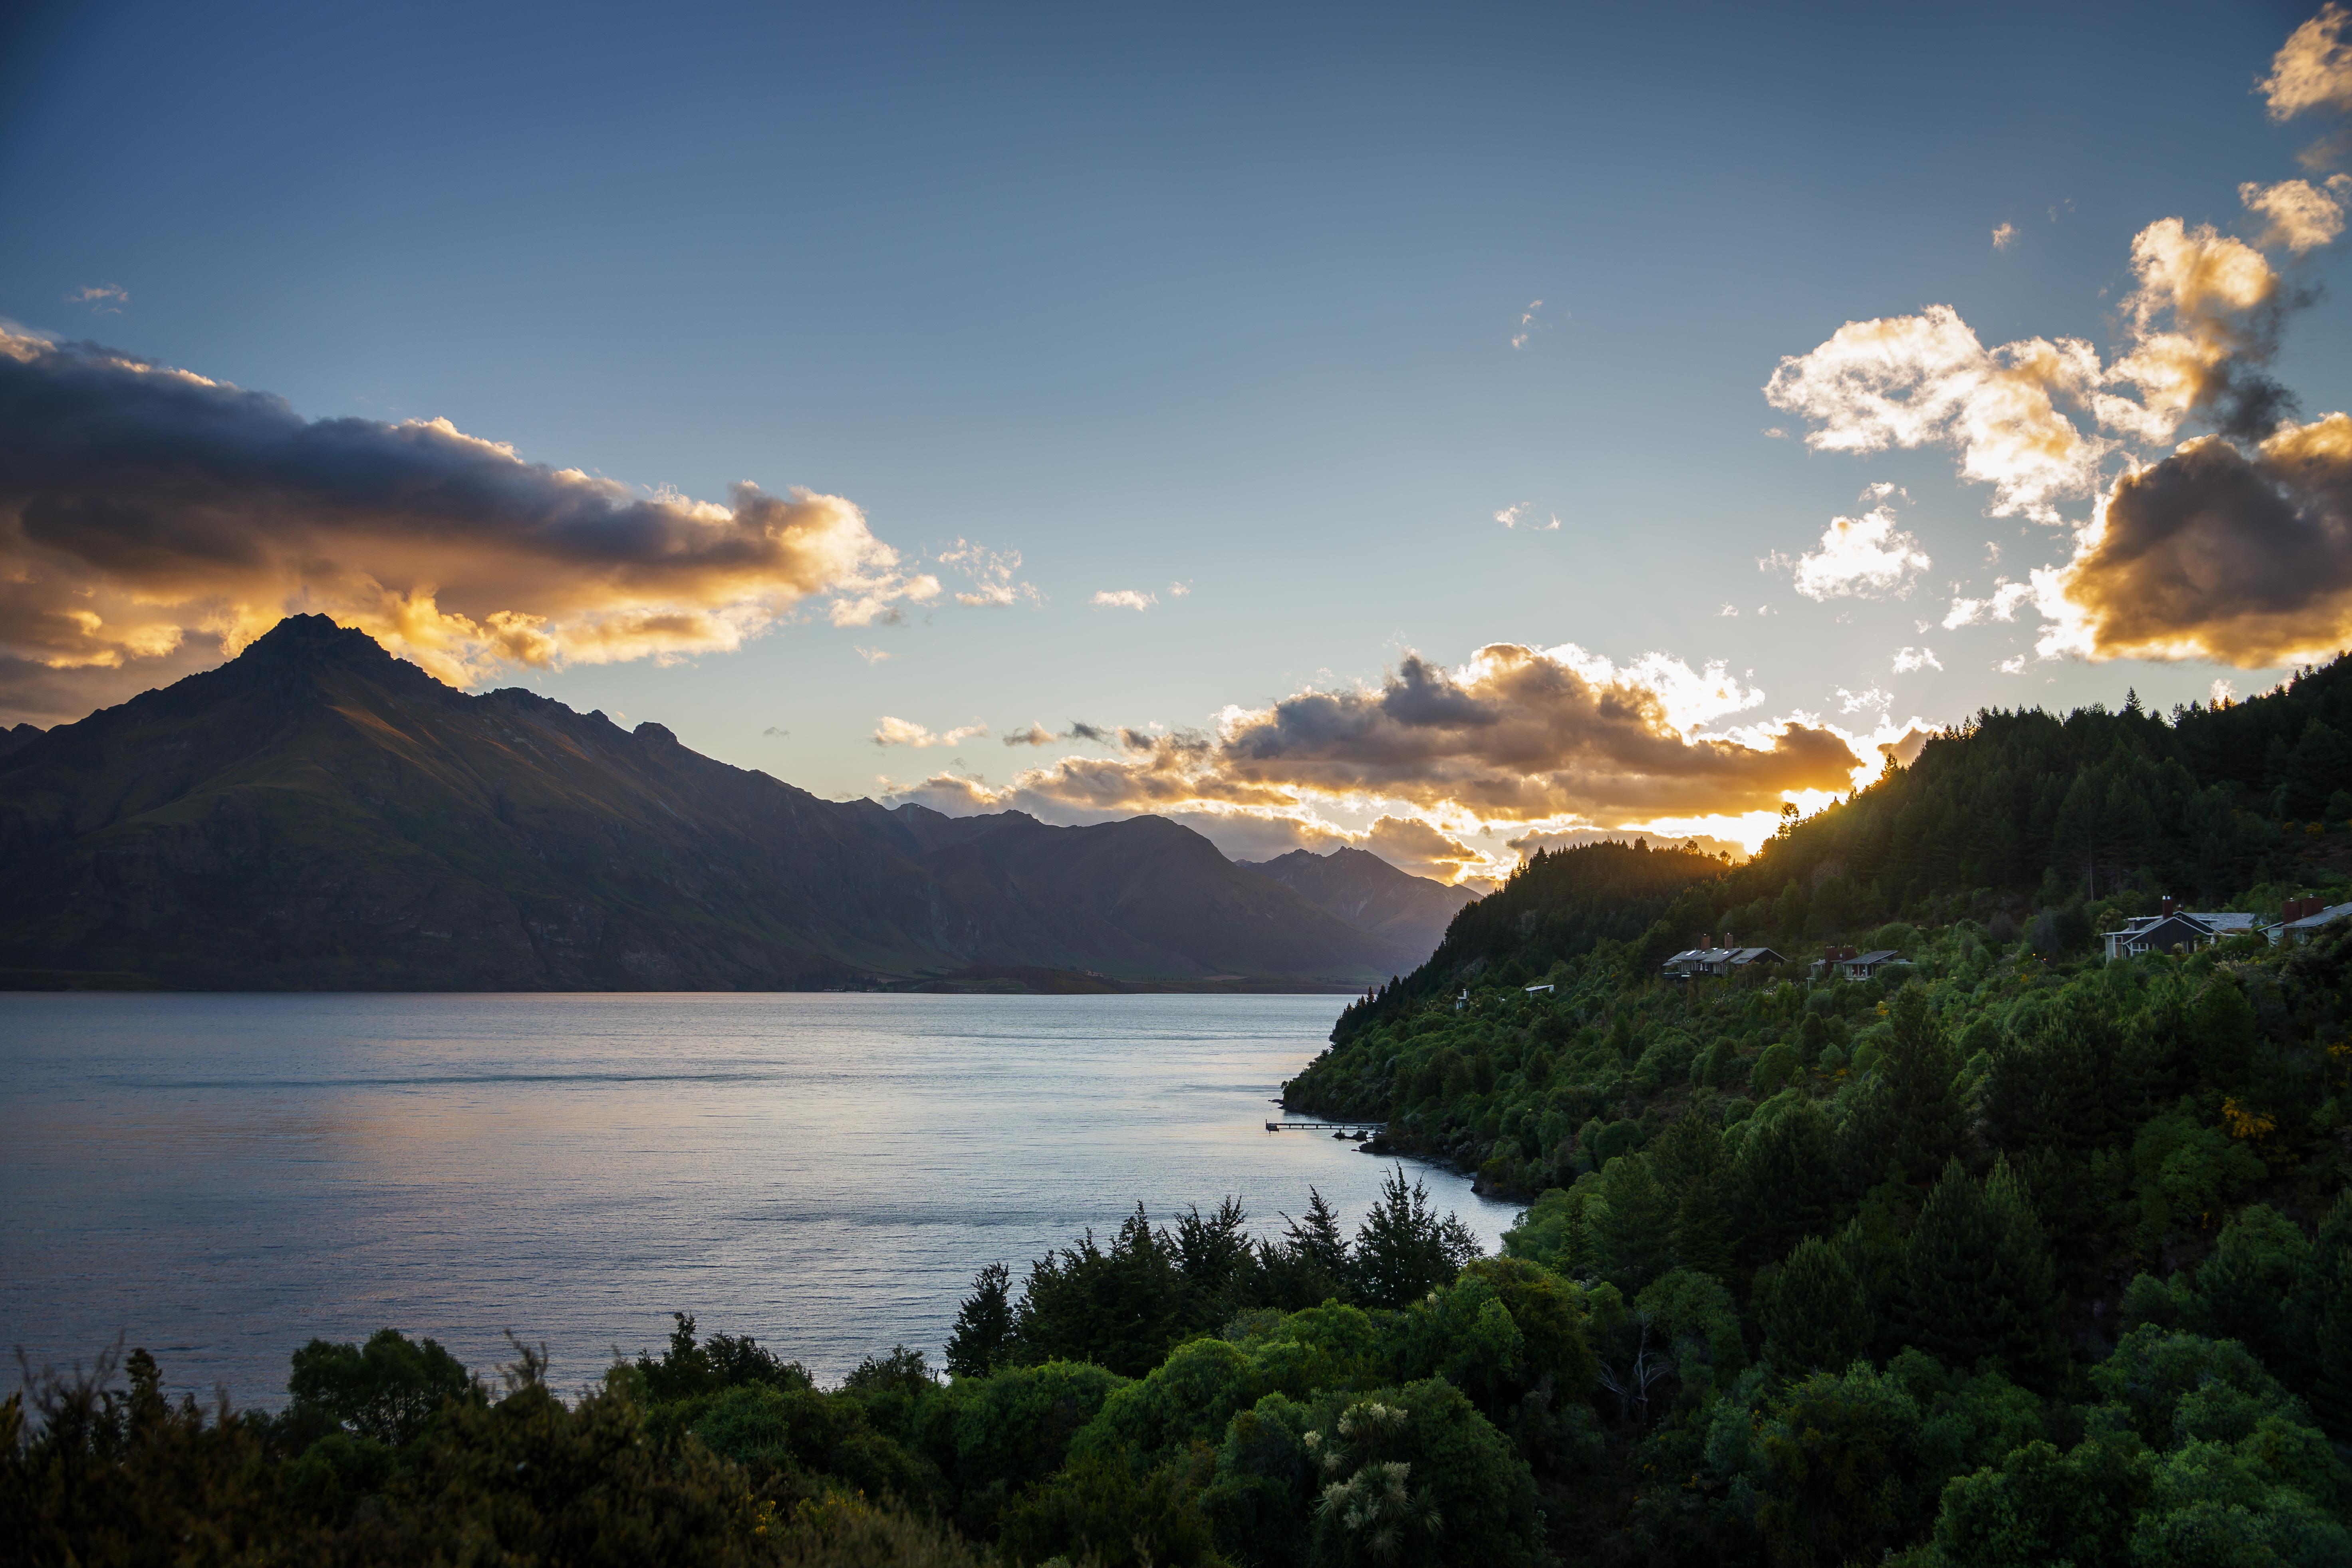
[{"x": 1425, "y": 429}]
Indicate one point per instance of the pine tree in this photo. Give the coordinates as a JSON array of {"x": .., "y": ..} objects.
[
  {"x": 2256, "y": 1262},
  {"x": 1783, "y": 1181},
  {"x": 2319, "y": 1322},
  {"x": 1690, "y": 1163},
  {"x": 1818, "y": 1317},
  {"x": 1632, "y": 1226},
  {"x": 2223, "y": 1025},
  {"x": 1317, "y": 1237},
  {"x": 1977, "y": 1281},
  {"x": 1927, "y": 1123},
  {"x": 1403, "y": 1250},
  {"x": 1907, "y": 1120},
  {"x": 983, "y": 1325}
]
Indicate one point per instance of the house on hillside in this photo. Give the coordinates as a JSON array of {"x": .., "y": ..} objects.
[
  {"x": 2172, "y": 928},
  {"x": 1695, "y": 962},
  {"x": 2303, "y": 918},
  {"x": 1845, "y": 964}
]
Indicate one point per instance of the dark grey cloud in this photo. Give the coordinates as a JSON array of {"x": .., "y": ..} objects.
[{"x": 143, "y": 507}]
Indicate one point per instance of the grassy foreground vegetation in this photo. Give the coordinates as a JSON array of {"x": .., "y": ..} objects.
[{"x": 2008, "y": 1255}]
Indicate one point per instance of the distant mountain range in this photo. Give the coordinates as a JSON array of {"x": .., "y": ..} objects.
[
  {"x": 1370, "y": 894},
  {"x": 319, "y": 814}
]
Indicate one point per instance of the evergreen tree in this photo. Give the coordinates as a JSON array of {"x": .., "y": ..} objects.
[
  {"x": 1783, "y": 1179},
  {"x": 1309, "y": 1264},
  {"x": 1977, "y": 1281},
  {"x": 2319, "y": 1319},
  {"x": 1632, "y": 1228},
  {"x": 2317, "y": 767},
  {"x": 1119, "y": 1308},
  {"x": 2223, "y": 1026},
  {"x": 1214, "y": 1254},
  {"x": 1317, "y": 1237},
  {"x": 983, "y": 1325},
  {"x": 1690, "y": 1165},
  {"x": 1817, "y": 1316},
  {"x": 1907, "y": 1120},
  {"x": 2255, "y": 1265},
  {"x": 1403, "y": 1251},
  {"x": 1926, "y": 1121}
]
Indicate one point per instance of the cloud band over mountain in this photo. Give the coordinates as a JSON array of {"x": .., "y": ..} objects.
[
  {"x": 1517, "y": 734},
  {"x": 143, "y": 507}
]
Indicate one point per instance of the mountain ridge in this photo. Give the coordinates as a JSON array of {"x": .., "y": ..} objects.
[
  {"x": 1366, "y": 891},
  {"x": 317, "y": 813}
]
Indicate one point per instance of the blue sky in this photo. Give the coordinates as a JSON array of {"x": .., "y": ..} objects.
[{"x": 1212, "y": 298}]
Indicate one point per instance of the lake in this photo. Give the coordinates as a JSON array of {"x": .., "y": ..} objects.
[{"x": 222, "y": 1177}]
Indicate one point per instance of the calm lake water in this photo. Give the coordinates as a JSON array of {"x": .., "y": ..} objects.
[{"x": 222, "y": 1177}]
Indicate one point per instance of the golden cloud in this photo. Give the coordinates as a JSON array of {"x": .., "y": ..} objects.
[
  {"x": 2313, "y": 70},
  {"x": 143, "y": 507},
  {"x": 2203, "y": 317},
  {"x": 2300, "y": 215},
  {"x": 1412, "y": 844},
  {"x": 1925, "y": 380},
  {"x": 2214, "y": 555},
  {"x": 1517, "y": 734},
  {"x": 904, "y": 733}
]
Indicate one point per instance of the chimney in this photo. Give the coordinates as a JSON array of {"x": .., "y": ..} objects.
[
  {"x": 2166, "y": 905},
  {"x": 1699, "y": 941}
]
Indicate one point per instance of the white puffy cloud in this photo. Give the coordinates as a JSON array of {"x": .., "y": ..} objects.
[
  {"x": 2002, "y": 604},
  {"x": 1925, "y": 380},
  {"x": 1907, "y": 659},
  {"x": 1865, "y": 557},
  {"x": 900, "y": 732},
  {"x": 1124, "y": 599},
  {"x": 990, "y": 573},
  {"x": 2202, "y": 317}
]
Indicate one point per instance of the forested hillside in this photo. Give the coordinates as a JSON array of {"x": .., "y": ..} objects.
[{"x": 1971, "y": 1214}]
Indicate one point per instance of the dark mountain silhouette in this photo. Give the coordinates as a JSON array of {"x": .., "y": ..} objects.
[
  {"x": 317, "y": 813},
  {"x": 1369, "y": 893}
]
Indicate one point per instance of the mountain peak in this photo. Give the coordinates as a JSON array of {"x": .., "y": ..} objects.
[{"x": 314, "y": 639}]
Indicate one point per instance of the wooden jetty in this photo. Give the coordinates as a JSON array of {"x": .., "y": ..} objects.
[{"x": 1357, "y": 1130}]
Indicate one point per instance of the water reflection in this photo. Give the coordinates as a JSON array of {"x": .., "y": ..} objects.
[{"x": 224, "y": 1176}]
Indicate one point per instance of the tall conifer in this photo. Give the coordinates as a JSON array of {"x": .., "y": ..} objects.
[
  {"x": 1978, "y": 1280},
  {"x": 1818, "y": 1317},
  {"x": 2320, "y": 1322}
]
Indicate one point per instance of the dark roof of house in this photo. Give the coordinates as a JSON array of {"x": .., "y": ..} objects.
[{"x": 2173, "y": 931}]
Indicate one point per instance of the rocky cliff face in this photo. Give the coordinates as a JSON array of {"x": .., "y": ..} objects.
[{"x": 317, "y": 813}]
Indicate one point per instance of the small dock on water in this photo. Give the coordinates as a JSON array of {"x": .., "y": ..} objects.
[{"x": 1356, "y": 1132}]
